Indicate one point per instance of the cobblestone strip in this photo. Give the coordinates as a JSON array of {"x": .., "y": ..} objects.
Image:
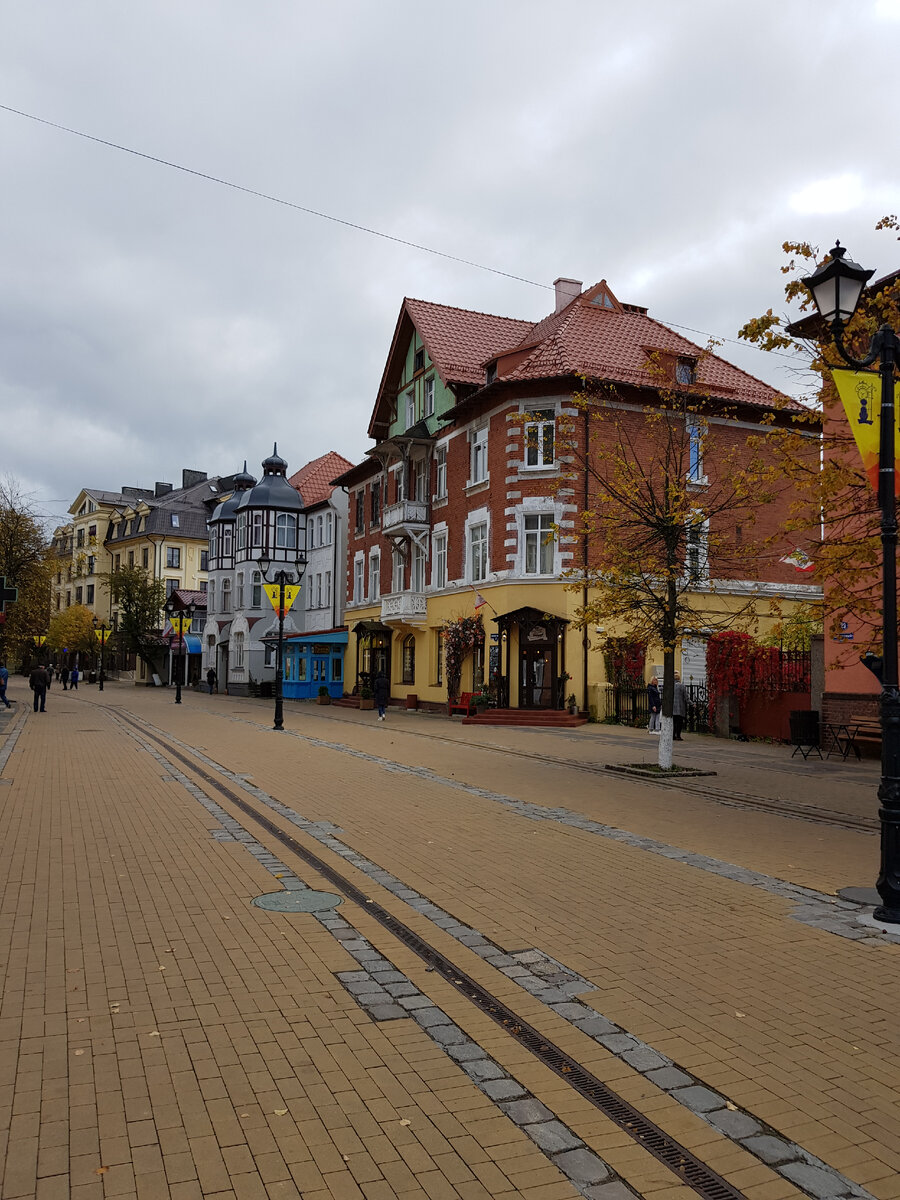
[
  {"x": 821, "y": 911},
  {"x": 387, "y": 994},
  {"x": 13, "y": 736},
  {"x": 556, "y": 986}
]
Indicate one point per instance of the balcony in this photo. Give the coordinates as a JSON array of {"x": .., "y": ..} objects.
[
  {"x": 406, "y": 518},
  {"x": 404, "y": 608}
]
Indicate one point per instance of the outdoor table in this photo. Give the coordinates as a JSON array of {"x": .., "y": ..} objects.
[{"x": 841, "y": 739}]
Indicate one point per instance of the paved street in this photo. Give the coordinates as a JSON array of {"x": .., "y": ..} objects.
[{"x": 524, "y": 975}]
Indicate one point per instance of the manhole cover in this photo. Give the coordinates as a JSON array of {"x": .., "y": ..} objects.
[
  {"x": 295, "y": 902},
  {"x": 860, "y": 895}
]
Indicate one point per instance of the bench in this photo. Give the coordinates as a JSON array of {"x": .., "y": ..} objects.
[
  {"x": 868, "y": 728},
  {"x": 464, "y": 704},
  {"x": 843, "y": 738}
]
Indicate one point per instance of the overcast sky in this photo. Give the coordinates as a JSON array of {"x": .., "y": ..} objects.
[{"x": 152, "y": 320}]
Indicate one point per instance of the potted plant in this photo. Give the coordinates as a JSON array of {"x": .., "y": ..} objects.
[
  {"x": 572, "y": 704},
  {"x": 366, "y": 699},
  {"x": 324, "y": 696},
  {"x": 481, "y": 699}
]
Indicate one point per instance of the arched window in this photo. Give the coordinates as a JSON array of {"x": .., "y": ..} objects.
[
  {"x": 286, "y": 531},
  {"x": 409, "y": 659}
]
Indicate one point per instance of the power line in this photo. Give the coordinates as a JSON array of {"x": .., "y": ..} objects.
[
  {"x": 313, "y": 212},
  {"x": 238, "y": 187}
]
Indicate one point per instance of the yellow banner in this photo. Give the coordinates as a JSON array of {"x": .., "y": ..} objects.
[
  {"x": 102, "y": 635},
  {"x": 291, "y": 592},
  {"x": 860, "y": 393},
  {"x": 41, "y": 638},
  {"x": 180, "y": 624}
]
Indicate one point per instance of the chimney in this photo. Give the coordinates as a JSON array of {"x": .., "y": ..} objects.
[
  {"x": 189, "y": 478},
  {"x": 162, "y": 489},
  {"x": 566, "y": 291}
]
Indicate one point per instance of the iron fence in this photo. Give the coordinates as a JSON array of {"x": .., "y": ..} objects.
[{"x": 628, "y": 705}]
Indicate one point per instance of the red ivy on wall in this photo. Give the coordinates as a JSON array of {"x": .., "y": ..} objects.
[
  {"x": 737, "y": 665},
  {"x": 625, "y": 661},
  {"x": 459, "y": 638}
]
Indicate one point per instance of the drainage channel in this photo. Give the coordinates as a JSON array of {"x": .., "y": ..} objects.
[{"x": 696, "y": 1174}]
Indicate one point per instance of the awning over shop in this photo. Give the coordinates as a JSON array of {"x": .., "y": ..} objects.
[
  {"x": 192, "y": 643},
  {"x": 363, "y": 627},
  {"x": 318, "y": 639}
]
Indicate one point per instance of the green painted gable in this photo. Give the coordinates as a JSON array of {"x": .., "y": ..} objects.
[{"x": 414, "y": 381}]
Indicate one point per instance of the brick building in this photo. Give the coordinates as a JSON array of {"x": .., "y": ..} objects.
[{"x": 472, "y": 494}]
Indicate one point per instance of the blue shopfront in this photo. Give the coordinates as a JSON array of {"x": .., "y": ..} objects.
[{"x": 311, "y": 661}]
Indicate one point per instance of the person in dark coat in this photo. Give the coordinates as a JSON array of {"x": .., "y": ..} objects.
[
  {"x": 212, "y": 680},
  {"x": 64, "y": 677},
  {"x": 39, "y": 683},
  {"x": 381, "y": 691},
  {"x": 654, "y": 706}
]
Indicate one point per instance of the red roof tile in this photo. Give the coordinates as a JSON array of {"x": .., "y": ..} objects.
[
  {"x": 459, "y": 341},
  {"x": 313, "y": 481}
]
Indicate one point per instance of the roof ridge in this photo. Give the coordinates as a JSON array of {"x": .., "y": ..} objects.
[{"x": 475, "y": 312}]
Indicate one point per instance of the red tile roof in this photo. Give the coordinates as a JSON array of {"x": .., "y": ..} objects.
[
  {"x": 459, "y": 341},
  {"x": 313, "y": 481}
]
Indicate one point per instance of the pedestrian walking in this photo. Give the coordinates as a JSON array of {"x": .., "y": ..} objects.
[
  {"x": 212, "y": 680},
  {"x": 64, "y": 677},
  {"x": 4, "y": 680},
  {"x": 73, "y": 679},
  {"x": 49, "y": 670},
  {"x": 654, "y": 706},
  {"x": 679, "y": 709},
  {"x": 38, "y": 682},
  {"x": 381, "y": 692}
]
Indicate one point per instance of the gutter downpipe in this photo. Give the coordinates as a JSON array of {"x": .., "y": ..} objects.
[{"x": 585, "y": 648}]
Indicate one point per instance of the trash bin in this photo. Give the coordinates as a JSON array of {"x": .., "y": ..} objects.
[{"x": 92, "y": 676}]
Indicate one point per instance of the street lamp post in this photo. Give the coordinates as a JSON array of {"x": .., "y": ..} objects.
[
  {"x": 836, "y": 288},
  {"x": 101, "y": 633},
  {"x": 180, "y": 615},
  {"x": 282, "y": 579}
]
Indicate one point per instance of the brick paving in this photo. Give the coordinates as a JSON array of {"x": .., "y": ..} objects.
[{"x": 161, "y": 1037}]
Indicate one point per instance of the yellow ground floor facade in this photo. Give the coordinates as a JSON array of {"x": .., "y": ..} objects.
[{"x": 534, "y": 653}]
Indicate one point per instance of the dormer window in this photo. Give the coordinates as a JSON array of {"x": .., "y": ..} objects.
[
  {"x": 602, "y": 300},
  {"x": 176, "y": 520},
  {"x": 685, "y": 371},
  {"x": 490, "y": 374}
]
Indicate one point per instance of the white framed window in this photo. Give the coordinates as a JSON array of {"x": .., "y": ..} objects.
[
  {"x": 440, "y": 473},
  {"x": 696, "y": 555},
  {"x": 397, "y": 572},
  {"x": 311, "y": 535},
  {"x": 410, "y": 408},
  {"x": 439, "y": 560},
  {"x": 326, "y": 589},
  {"x": 329, "y": 528},
  {"x": 320, "y": 530},
  {"x": 237, "y": 652},
  {"x": 429, "y": 396},
  {"x": 539, "y": 543},
  {"x": 358, "y": 580},
  {"x": 176, "y": 521},
  {"x": 374, "y": 575},
  {"x": 211, "y": 596},
  {"x": 696, "y": 432},
  {"x": 226, "y": 595},
  {"x": 256, "y": 591},
  {"x": 478, "y": 471},
  {"x": 257, "y": 530},
  {"x": 417, "y": 570},
  {"x": 239, "y": 591},
  {"x": 319, "y": 590},
  {"x": 285, "y": 531},
  {"x": 540, "y": 439},
  {"x": 478, "y": 551},
  {"x": 241, "y": 530},
  {"x": 227, "y": 541}
]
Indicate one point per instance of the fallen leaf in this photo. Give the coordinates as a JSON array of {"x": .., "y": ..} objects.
[
  {"x": 245, "y": 1114},
  {"x": 739, "y": 1014},
  {"x": 731, "y": 1107},
  {"x": 79, "y": 1052},
  {"x": 155, "y": 1033},
  {"x": 162, "y": 968},
  {"x": 280, "y": 1112},
  {"x": 101, "y": 1170},
  {"x": 81, "y": 1020},
  {"x": 405, "y": 1122},
  {"x": 345, "y": 1157}
]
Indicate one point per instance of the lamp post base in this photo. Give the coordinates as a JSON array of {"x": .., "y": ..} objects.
[{"x": 891, "y": 916}]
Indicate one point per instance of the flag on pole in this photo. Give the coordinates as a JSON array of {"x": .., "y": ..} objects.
[
  {"x": 479, "y": 600},
  {"x": 799, "y": 559}
]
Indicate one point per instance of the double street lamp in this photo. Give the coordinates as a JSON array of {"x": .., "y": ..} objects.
[
  {"x": 283, "y": 579},
  {"x": 101, "y": 633},
  {"x": 836, "y": 288},
  {"x": 181, "y": 615}
]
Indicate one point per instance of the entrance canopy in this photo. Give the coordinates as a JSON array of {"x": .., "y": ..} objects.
[{"x": 529, "y": 619}]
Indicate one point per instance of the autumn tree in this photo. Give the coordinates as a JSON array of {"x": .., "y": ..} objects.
[
  {"x": 139, "y": 599},
  {"x": 25, "y": 563},
  {"x": 72, "y": 629},
  {"x": 669, "y": 511},
  {"x": 835, "y": 510}
]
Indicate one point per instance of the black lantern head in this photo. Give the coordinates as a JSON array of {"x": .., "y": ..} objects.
[{"x": 837, "y": 285}]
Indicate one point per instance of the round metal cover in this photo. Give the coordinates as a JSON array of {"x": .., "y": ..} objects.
[{"x": 306, "y": 901}]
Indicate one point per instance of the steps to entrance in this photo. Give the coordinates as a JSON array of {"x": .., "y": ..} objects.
[{"x": 541, "y": 718}]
